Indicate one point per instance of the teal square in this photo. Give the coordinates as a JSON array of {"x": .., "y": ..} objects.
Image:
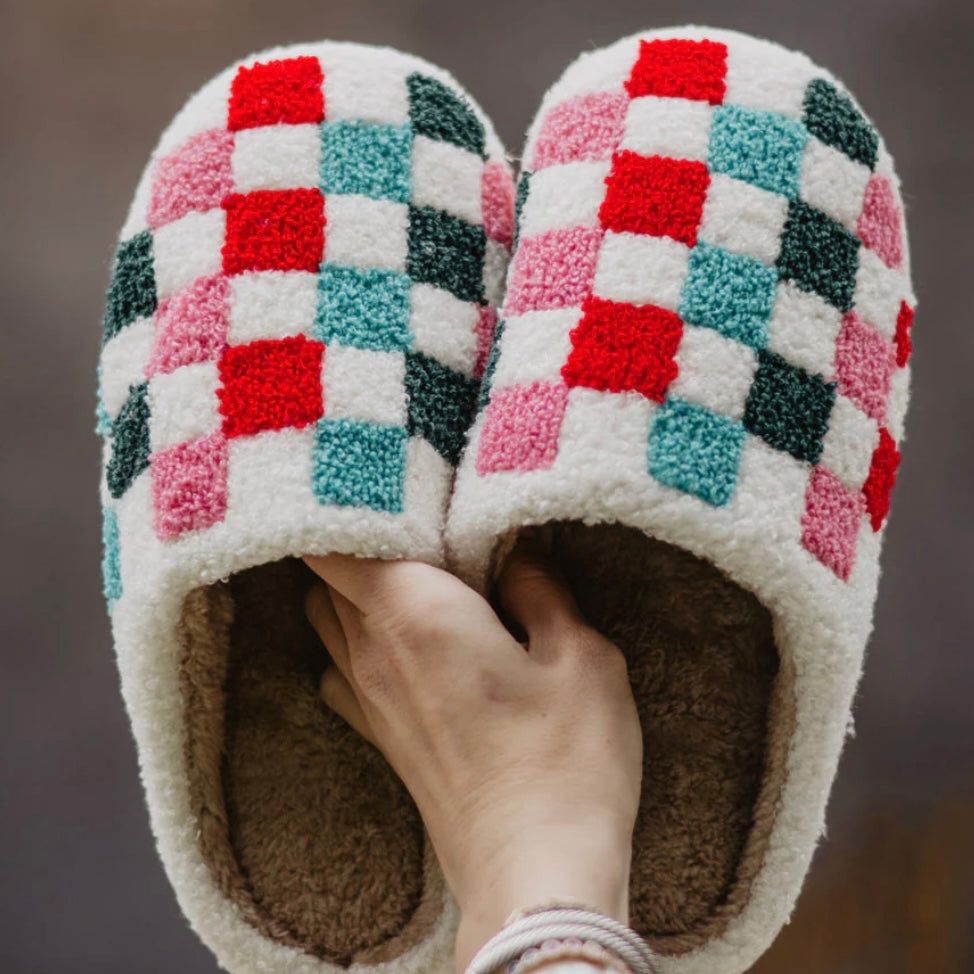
[
  {"x": 760, "y": 147},
  {"x": 110, "y": 572},
  {"x": 696, "y": 450},
  {"x": 357, "y": 463},
  {"x": 367, "y": 159},
  {"x": 730, "y": 293},
  {"x": 363, "y": 308}
]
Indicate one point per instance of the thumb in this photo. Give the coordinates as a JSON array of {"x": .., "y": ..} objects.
[{"x": 535, "y": 596}]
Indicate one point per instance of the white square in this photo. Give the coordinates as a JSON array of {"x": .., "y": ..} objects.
[
  {"x": 183, "y": 404},
  {"x": 496, "y": 259},
  {"x": 188, "y": 248},
  {"x": 769, "y": 77},
  {"x": 879, "y": 292},
  {"x": 848, "y": 445},
  {"x": 803, "y": 328},
  {"x": 447, "y": 178},
  {"x": 277, "y": 157},
  {"x": 639, "y": 269},
  {"x": 742, "y": 218},
  {"x": 444, "y": 327},
  {"x": 366, "y": 233},
  {"x": 272, "y": 304},
  {"x": 369, "y": 88},
  {"x": 534, "y": 346},
  {"x": 674, "y": 127},
  {"x": 714, "y": 371},
  {"x": 899, "y": 397},
  {"x": 606, "y": 431},
  {"x": 123, "y": 362},
  {"x": 269, "y": 482},
  {"x": 362, "y": 384},
  {"x": 833, "y": 183},
  {"x": 568, "y": 195},
  {"x": 770, "y": 491}
]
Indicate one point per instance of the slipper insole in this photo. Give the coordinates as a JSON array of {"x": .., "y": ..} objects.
[{"x": 313, "y": 836}]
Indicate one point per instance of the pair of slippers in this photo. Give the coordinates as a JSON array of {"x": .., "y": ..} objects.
[{"x": 679, "y": 348}]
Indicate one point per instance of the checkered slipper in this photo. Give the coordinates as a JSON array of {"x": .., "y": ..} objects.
[
  {"x": 300, "y": 309},
  {"x": 699, "y": 384}
]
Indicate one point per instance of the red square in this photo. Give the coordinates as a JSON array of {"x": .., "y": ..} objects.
[
  {"x": 655, "y": 195},
  {"x": 680, "y": 69},
  {"x": 270, "y": 385},
  {"x": 287, "y": 91},
  {"x": 274, "y": 230},
  {"x": 904, "y": 345},
  {"x": 881, "y": 479},
  {"x": 621, "y": 347}
]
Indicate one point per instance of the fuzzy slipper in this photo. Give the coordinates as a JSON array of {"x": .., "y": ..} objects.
[
  {"x": 300, "y": 308},
  {"x": 699, "y": 384}
]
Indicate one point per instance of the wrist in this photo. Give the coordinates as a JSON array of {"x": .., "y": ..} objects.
[{"x": 575, "y": 863}]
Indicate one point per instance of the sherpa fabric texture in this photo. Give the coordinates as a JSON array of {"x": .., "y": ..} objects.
[
  {"x": 705, "y": 335},
  {"x": 299, "y": 312}
]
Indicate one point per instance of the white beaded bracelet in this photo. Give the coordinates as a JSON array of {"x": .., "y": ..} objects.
[{"x": 559, "y": 923}]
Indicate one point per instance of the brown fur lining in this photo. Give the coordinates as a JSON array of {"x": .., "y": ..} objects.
[{"x": 310, "y": 833}]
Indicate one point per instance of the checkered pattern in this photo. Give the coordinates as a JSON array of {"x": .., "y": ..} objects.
[
  {"x": 736, "y": 260},
  {"x": 325, "y": 258}
]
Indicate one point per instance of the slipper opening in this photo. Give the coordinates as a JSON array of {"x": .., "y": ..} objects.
[
  {"x": 302, "y": 823},
  {"x": 715, "y": 701}
]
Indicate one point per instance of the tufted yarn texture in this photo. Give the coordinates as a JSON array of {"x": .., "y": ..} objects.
[
  {"x": 300, "y": 308},
  {"x": 705, "y": 342}
]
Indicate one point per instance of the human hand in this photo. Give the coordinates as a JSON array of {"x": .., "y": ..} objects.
[{"x": 525, "y": 762}]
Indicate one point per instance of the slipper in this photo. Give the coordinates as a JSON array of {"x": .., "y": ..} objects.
[
  {"x": 698, "y": 387},
  {"x": 300, "y": 308}
]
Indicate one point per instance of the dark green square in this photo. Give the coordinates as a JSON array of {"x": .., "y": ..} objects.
[
  {"x": 438, "y": 112},
  {"x": 831, "y": 116},
  {"x": 490, "y": 366},
  {"x": 447, "y": 252},
  {"x": 819, "y": 255},
  {"x": 520, "y": 198},
  {"x": 130, "y": 441},
  {"x": 132, "y": 291},
  {"x": 788, "y": 407},
  {"x": 441, "y": 404}
]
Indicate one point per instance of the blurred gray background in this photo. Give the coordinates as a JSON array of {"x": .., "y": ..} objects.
[{"x": 87, "y": 85}]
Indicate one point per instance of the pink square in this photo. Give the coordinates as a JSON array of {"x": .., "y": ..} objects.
[
  {"x": 195, "y": 176},
  {"x": 830, "y": 524},
  {"x": 191, "y": 325},
  {"x": 553, "y": 270},
  {"x": 864, "y": 363},
  {"x": 880, "y": 224},
  {"x": 521, "y": 427},
  {"x": 486, "y": 326},
  {"x": 588, "y": 126},
  {"x": 497, "y": 203},
  {"x": 189, "y": 486}
]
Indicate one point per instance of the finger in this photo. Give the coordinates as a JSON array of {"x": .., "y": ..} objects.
[
  {"x": 369, "y": 582},
  {"x": 533, "y": 594},
  {"x": 320, "y": 610},
  {"x": 354, "y": 577},
  {"x": 337, "y": 692}
]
